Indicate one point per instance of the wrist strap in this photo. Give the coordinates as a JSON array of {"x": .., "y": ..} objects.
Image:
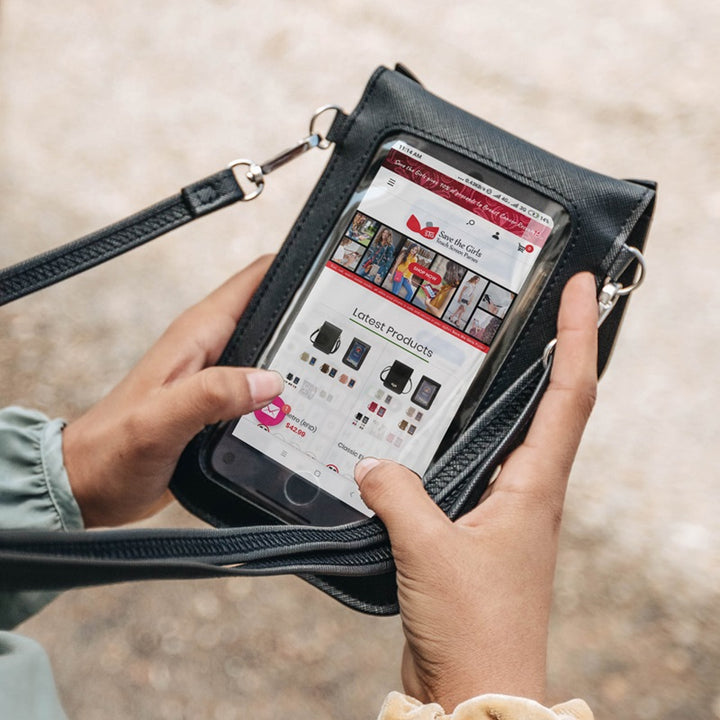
[
  {"x": 202, "y": 197},
  {"x": 193, "y": 201}
]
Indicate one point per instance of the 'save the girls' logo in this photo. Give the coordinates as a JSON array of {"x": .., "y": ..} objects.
[{"x": 429, "y": 231}]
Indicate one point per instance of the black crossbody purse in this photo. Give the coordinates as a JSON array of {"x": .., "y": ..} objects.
[{"x": 609, "y": 221}]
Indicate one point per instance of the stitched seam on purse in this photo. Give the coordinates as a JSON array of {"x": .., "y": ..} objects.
[
  {"x": 625, "y": 230},
  {"x": 556, "y": 276},
  {"x": 533, "y": 182}
]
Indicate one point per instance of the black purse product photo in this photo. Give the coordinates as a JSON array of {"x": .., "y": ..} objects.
[{"x": 412, "y": 313}]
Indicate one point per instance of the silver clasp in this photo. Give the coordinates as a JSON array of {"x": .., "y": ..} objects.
[
  {"x": 610, "y": 293},
  {"x": 256, "y": 172}
]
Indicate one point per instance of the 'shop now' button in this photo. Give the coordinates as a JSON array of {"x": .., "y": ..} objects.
[{"x": 426, "y": 274}]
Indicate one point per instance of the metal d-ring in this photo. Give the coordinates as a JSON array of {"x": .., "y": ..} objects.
[
  {"x": 642, "y": 269},
  {"x": 254, "y": 175},
  {"x": 611, "y": 292},
  {"x": 323, "y": 142}
]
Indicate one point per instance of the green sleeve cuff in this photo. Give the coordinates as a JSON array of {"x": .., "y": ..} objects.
[{"x": 35, "y": 492}]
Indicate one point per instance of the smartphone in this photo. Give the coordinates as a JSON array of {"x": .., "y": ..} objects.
[{"x": 426, "y": 279}]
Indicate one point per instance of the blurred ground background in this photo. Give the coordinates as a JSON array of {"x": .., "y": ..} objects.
[{"x": 108, "y": 106}]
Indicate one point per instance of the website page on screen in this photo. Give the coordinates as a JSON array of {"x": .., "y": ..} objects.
[{"x": 398, "y": 323}]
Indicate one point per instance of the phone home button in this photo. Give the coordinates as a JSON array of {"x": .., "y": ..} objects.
[{"x": 299, "y": 491}]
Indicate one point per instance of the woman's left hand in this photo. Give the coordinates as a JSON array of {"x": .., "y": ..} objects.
[{"x": 120, "y": 455}]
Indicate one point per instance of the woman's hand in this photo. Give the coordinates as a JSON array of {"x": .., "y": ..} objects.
[
  {"x": 475, "y": 594},
  {"x": 121, "y": 453}
]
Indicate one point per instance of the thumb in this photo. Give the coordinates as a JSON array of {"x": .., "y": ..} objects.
[
  {"x": 215, "y": 394},
  {"x": 397, "y": 496}
]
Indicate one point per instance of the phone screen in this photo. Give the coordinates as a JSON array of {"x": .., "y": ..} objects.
[{"x": 390, "y": 331}]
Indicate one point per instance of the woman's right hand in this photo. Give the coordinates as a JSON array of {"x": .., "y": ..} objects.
[{"x": 475, "y": 594}]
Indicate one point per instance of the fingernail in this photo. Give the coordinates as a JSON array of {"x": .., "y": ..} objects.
[
  {"x": 364, "y": 467},
  {"x": 264, "y": 385}
]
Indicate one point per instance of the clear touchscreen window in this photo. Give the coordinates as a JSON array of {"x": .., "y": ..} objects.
[{"x": 380, "y": 354}]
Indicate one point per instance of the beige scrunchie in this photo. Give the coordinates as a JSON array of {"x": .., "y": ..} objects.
[{"x": 485, "y": 707}]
